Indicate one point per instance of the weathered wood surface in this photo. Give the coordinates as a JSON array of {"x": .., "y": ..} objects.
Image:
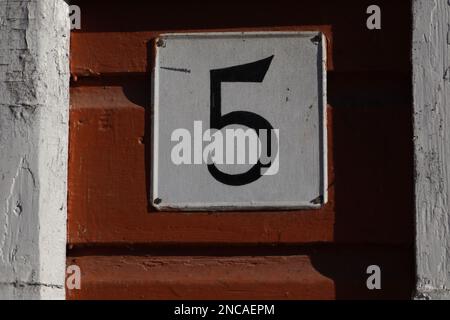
[
  {"x": 431, "y": 76},
  {"x": 34, "y": 111},
  {"x": 325, "y": 273}
]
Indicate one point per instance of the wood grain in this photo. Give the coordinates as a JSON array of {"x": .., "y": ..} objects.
[{"x": 432, "y": 152}]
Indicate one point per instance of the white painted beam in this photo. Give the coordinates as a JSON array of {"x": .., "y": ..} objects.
[
  {"x": 34, "y": 101},
  {"x": 431, "y": 86}
]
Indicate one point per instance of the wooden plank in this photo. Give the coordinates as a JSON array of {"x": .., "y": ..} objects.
[
  {"x": 431, "y": 70},
  {"x": 97, "y": 53},
  {"x": 370, "y": 179},
  {"x": 137, "y": 277},
  {"x": 116, "y": 40},
  {"x": 327, "y": 274}
]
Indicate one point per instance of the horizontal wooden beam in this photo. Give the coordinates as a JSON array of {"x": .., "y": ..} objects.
[{"x": 325, "y": 274}]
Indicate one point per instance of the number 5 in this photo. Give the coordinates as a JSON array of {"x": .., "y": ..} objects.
[{"x": 250, "y": 72}]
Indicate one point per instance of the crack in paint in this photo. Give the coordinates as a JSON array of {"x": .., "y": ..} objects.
[
  {"x": 7, "y": 206},
  {"x": 13, "y": 208},
  {"x": 177, "y": 69},
  {"x": 22, "y": 284}
]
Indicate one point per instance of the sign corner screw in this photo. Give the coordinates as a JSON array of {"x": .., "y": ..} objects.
[{"x": 160, "y": 43}]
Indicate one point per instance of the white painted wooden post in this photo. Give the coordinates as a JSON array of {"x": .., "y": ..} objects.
[
  {"x": 34, "y": 101},
  {"x": 431, "y": 81}
]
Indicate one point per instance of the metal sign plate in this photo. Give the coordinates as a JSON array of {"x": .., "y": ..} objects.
[{"x": 239, "y": 121}]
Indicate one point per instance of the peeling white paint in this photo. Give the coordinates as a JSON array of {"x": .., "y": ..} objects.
[
  {"x": 34, "y": 100},
  {"x": 431, "y": 63}
]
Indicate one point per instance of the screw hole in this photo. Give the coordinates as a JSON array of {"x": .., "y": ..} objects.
[{"x": 160, "y": 43}]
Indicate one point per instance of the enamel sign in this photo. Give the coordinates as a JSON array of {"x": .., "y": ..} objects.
[{"x": 239, "y": 121}]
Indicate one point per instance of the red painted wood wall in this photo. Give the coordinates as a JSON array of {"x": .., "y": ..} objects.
[{"x": 127, "y": 250}]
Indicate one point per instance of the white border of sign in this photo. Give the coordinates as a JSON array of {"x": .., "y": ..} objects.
[{"x": 250, "y": 205}]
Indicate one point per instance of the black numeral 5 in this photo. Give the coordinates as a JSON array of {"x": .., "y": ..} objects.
[{"x": 250, "y": 72}]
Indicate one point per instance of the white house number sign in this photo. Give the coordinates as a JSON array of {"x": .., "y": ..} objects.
[{"x": 239, "y": 121}]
